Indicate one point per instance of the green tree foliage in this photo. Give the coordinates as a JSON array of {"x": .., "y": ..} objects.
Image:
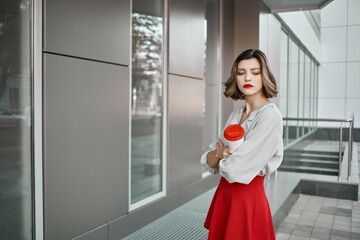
[{"x": 146, "y": 49}]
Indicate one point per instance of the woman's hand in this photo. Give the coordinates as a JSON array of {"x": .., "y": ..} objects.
[
  {"x": 213, "y": 158},
  {"x": 221, "y": 150}
]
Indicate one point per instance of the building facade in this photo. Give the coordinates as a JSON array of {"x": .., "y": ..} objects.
[{"x": 107, "y": 106}]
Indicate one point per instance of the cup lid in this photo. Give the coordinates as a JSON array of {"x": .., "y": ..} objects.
[{"x": 234, "y": 132}]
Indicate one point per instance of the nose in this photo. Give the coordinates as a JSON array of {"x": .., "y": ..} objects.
[{"x": 247, "y": 76}]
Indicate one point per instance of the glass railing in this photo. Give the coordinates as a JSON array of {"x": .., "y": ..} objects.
[{"x": 318, "y": 145}]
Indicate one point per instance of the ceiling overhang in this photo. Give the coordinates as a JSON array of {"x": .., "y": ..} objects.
[{"x": 295, "y": 5}]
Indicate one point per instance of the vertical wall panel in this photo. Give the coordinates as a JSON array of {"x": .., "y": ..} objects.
[
  {"x": 86, "y": 144},
  {"x": 246, "y": 25},
  {"x": 186, "y": 102},
  {"x": 90, "y": 29},
  {"x": 186, "y": 37}
]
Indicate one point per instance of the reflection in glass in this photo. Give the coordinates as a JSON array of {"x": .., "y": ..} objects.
[
  {"x": 15, "y": 120},
  {"x": 146, "y": 104}
]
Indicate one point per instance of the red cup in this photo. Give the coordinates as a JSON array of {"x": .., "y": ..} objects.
[{"x": 235, "y": 135}]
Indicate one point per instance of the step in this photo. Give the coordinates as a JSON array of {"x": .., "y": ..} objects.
[
  {"x": 318, "y": 152},
  {"x": 324, "y": 171},
  {"x": 293, "y": 162},
  {"x": 312, "y": 156}
]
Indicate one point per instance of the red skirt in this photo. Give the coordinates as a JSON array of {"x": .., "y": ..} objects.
[{"x": 240, "y": 211}]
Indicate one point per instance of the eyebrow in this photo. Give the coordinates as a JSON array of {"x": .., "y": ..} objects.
[{"x": 250, "y": 69}]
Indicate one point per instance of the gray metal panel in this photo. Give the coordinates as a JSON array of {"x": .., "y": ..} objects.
[
  {"x": 86, "y": 139},
  {"x": 185, "y": 114},
  {"x": 198, "y": 188},
  {"x": 121, "y": 227},
  {"x": 89, "y": 29},
  {"x": 100, "y": 233},
  {"x": 186, "y": 37}
]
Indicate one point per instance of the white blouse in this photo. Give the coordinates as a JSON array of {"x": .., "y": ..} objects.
[{"x": 261, "y": 152}]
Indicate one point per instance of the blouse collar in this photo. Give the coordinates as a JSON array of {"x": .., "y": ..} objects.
[{"x": 252, "y": 115}]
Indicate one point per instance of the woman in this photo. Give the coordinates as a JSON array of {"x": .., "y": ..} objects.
[{"x": 240, "y": 209}]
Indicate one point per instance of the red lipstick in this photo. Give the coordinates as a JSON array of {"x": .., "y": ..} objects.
[{"x": 248, "y": 86}]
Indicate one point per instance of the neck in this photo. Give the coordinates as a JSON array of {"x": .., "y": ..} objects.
[{"x": 254, "y": 102}]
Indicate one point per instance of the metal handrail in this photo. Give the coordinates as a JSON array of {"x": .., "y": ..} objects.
[
  {"x": 351, "y": 140},
  {"x": 320, "y": 119},
  {"x": 351, "y": 137}
]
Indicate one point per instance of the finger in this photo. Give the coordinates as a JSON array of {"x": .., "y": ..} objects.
[
  {"x": 227, "y": 148},
  {"x": 220, "y": 142}
]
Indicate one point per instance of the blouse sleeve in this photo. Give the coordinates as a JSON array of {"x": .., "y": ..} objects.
[
  {"x": 212, "y": 147},
  {"x": 203, "y": 159},
  {"x": 260, "y": 145}
]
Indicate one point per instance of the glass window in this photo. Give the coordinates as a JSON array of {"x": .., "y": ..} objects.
[
  {"x": 317, "y": 90},
  {"x": 146, "y": 104},
  {"x": 298, "y": 88},
  {"x": 15, "y": 120},
  {"x": 301, "y": 91},
  {"x": 283, "y": 73},
  {"x": 313, "y": 97},
  {"x": 311, "y": 91},
  {"x": 212, "y": 84},
  {"x": 293, "y": 89},
  {"x": 307, "y": 90},
  {"x": 293, "y": 78}
]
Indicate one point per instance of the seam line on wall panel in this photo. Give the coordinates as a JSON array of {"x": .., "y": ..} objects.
[
  {"x": 180, "y": 75},
  {"x": 346, "y": 53},
  {"x": 88, "y": 59}
]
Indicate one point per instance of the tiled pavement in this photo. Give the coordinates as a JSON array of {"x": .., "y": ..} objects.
[{"x": 313, "y": 217}]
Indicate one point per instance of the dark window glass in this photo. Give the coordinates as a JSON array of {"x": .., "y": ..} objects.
[{"x": 15, "y": 121}]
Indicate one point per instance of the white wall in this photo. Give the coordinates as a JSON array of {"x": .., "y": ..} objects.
[{"x": 339, "y": 79}]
